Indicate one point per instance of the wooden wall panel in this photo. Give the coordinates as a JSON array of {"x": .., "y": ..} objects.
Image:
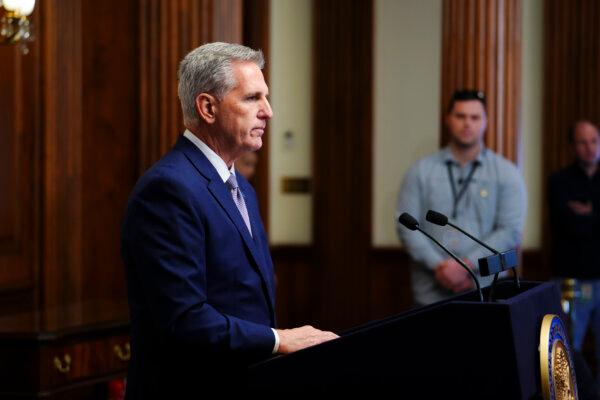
[
  {"x": 9, "y": 104},
  {"x": 481, "y": 48},
  {"x": 19, "y": 143},
  {"x": 61, "y": 37},
  {"x": 385, "y": 291},
  {"x": 109, "y": 121},
  {"x": 107, "y": 106},
  {"x": 571, "y": 81},
  {"x": 390, "y": 288},
  {"x": 342, "y": 142},
  {"x": 90, "y": 133},
  {"x": 102, "y": 106},
  {"x": 91, "y": 106},
  {"x": 481, "y": 44},
  {"x": 571, "y": 84},
  {"x": 297, "y": 292},
  {"x": 168, "y": 30},
  {"x": 256, "y": 35},
  {"x": 533, "y": 266}
]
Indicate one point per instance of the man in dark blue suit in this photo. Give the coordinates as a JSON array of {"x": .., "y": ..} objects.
[{"x": 200, "y": 276}]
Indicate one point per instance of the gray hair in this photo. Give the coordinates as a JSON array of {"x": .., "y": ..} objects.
[{"x": 208, "y": 69}]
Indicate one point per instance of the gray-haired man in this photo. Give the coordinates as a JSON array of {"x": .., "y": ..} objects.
[{"x": 200, "y": 276}]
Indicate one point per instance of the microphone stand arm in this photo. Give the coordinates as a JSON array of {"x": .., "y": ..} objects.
[{"x": 459, "y": 261}]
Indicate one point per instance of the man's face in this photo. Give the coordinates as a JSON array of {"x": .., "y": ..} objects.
[
  {"x": 243, "y": 112},
  {"x": 586, "y": 143},
  {"x": 467, "y": 122}
]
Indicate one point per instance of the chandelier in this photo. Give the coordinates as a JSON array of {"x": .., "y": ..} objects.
[{"x": 15, "y": 27}]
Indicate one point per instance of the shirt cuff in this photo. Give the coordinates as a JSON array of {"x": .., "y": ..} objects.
[{"x": 276, "y": 346}]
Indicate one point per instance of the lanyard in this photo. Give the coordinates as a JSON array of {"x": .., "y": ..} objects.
[{"x": 463, "y": 189}]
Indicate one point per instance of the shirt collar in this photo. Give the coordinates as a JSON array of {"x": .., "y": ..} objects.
[
  {"x": 577, "y": 169},
  {"x": 447, "y": 155},
  {"x": 213, "y": 157}
]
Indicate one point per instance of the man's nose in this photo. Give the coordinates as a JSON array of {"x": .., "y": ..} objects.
[{"x": 266, "y": 110}]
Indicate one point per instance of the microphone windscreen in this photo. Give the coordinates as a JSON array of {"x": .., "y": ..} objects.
[
  {"x": 436, "y": 218},
  {"x": 408, "y": 221}
]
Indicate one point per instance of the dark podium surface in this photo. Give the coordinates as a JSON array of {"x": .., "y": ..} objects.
[{"x": 458, "y": 348}]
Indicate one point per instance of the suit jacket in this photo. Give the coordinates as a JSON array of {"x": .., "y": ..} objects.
[{"x": 200, "y": 287}]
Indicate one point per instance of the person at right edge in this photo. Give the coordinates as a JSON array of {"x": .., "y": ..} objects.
[
  {"x": 477, "y": 189},
  {"x": 574, "y": 203}
]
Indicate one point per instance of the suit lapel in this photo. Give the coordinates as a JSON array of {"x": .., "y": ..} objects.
[
  {"x": 223, "y": 196},
  {"x": 221, "y": 193},
  {"x": 257, "y": 228}
]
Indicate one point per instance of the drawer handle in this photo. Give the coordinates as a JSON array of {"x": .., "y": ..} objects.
[
  {"x": 63, "y": 366},
  {"x": 123, "y": 355}
]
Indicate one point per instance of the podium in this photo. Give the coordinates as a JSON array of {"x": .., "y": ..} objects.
[{"x": 457, "y": 348}]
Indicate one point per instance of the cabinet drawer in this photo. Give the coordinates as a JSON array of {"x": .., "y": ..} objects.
[{"x": 67, "y": 363}]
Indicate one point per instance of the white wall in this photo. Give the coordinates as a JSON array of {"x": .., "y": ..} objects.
[
  {"x": 408, "y": 42},
  {"x": 531, "y": 119},
  {"x": 406, "y": 109},
  {"x": 290, "y": 215},
  {"x": 407, "y": 96}
]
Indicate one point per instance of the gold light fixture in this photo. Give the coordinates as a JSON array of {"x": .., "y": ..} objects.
[{"x": 15, "y": 27}]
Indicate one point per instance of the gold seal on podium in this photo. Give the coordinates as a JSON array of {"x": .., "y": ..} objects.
[{"x": 556, "y": 363}]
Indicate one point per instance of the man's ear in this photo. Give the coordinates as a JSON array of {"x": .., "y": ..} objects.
[{"x": 205, "y": 107}]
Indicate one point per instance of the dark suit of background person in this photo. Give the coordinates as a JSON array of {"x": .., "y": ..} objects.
[
  {"x": 200, "y": 281},
  {"x": 574, "y": 199}
]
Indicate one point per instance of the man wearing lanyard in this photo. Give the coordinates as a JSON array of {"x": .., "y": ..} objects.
[{"x": 478, "y": 189}]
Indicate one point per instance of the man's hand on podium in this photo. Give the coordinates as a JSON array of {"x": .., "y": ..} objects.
[
  {"x": 291, "y": 340},
  {"x": 453, "y": 276}
]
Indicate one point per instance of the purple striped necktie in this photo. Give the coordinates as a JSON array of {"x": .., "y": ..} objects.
[{"x": 238, "y": 199}]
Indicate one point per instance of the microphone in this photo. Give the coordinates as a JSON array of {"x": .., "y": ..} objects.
[
  {"x": 494, "y": 264},
  {"x": 411, "y": 223},
  {"x": 440, "y": 219}
]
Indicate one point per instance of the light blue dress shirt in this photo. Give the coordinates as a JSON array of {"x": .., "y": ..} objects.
[{"x": 492, "y": 208}]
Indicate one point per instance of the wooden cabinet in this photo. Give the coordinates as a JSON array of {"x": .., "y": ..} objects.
[
  {"x": 91, "y": 106},
  {"x": 41, "y": 358},
  {"x": 65, "y": 362}
]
